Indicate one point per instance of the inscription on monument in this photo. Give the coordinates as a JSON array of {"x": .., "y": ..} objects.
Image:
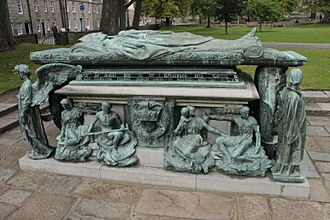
[{"x": 162, "y": 76}]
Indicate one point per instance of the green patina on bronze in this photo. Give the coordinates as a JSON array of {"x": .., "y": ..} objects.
[
  {"x": 291, "y": 128},
  {"x": 73, "y": 141},
  {"x": 237, "y": 153},
  {"x": 172, "y": 60},
  {"x": 32, "y": 95},
  {"x": 116, "y": 144}
]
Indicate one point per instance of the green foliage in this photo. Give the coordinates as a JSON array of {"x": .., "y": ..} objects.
[
  {"x": 161, "y": 8},
  {"x": 204, "y": 8},
  {"x": 184, "y": 7},
  {"x": 317, "y": 5},
  {"x": 264, "y": 10},
  {"x": 288, "y": 6},
  {"x": 228, "y": 10}
]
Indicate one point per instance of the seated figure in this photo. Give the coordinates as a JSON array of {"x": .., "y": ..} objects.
[
  {"x": 116, "y": 147},
  {"x": 189, "y": 152},
  {"x": 73, "y": 140},
  {"x": 238, "y": 154}
]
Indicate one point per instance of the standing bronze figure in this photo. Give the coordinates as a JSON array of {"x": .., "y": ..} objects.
[
  {"x": 29, "y": 117},
  {"x": 291, "y": 117}
]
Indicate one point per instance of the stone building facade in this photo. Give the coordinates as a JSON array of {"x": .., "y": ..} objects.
[
  {"x": 83, "y": 15},
  {"x": 45, "y": 15},
  {"x": 20, "y": 19}
]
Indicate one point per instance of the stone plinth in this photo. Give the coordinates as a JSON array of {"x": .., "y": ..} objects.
[{"x": 157, "y": 176}]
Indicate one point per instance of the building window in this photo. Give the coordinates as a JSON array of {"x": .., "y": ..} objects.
[
  {"x": 88, "y": 25},
  {"x": 45, "y": 6},
  {"x": 38, "y": 25},
  {"x": 47, "y": 26},
  {"x": 52, "y": 6},
  {"x": 73, "y": 7},
  {"x": 89, "y": 8},
  {"x": 19, "y": 29},
  {"x": 97, "y": 9},
  {"x": 19, "y": 6},
  {"x": 75, "y": 25},
  {"x": 36, "y": 5}
]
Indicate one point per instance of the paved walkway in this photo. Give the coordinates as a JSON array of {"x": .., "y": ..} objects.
[{"x": 31, "y": 195}]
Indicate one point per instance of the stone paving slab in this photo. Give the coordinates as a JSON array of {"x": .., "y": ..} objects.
[
  {"x": 307, "y": 167},
  {"x": 318, "y": 120},
  {"x": 324, "y": 143},
  {"x": 30, "y": 181},
  {"x": 317, "y": 131},
  {"x": 108, "y": 191},
  {"x": 101, "y": 209},
  {"x": 213, "y": 181},
  {"x": 311, "y": 144},
  {"x": 5, "y": 174},
  {"x": 252, "y": 208},
  {"x": 327, "y": 128},
  {"x": 6, "y": 209},
  {"x": 318, "y": 156},
  {"x": 194, "y": 205},
  {"x": 323, "y": 167},
  {"x": 44, "y": 206},
  {"x": 283, "y": 209},
  {"x": 61, "y": 184},
  {"x": 318, "y": 192},
  {"x": 14, "y": 197}
]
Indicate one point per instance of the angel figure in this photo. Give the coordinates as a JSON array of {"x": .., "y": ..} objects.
[{"x": 31, "y": 95}]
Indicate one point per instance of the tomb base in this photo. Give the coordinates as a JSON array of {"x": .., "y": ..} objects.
[{"x": 154, "y": 175}]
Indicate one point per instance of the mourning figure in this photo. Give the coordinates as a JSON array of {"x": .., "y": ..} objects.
[
  {"x": 29, "y": 117},
  {"x": 291, "y": 120},
  {"x": 116, "y": 144},
  {"x": 238, "y": 154},
  {"x": 189, "y": 151},
  {"x": 74, "y": 139}
]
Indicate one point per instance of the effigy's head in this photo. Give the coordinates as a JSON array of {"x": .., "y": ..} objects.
[
  {"x": 244, "y": 111},
  {"x": 295, "y": 77},
  {"x": 22, "y": 70}
]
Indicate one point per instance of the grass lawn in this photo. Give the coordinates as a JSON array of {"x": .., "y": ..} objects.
[
  {"x": 312, "y": 33},
  {"x": 316, "y": 71},
  {"x": 9, "y": 59}
]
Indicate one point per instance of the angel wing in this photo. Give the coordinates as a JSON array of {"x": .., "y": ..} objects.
[{"x": 50, "y": 77}]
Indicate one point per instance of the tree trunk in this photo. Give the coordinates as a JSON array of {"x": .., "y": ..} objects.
[
  {"x": 167, "y": 22},
  {"x": 122, "y": 14},
  {"x": 208, "y": 21},
  {"x": 226, "y": 27},
  {"x": 260, "y": 25},
  {"x": 137, "y": 14},
  {"x": 7, "y": 41},
  {"x": 110, "y": 17}
]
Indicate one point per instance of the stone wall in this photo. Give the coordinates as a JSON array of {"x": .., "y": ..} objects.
[{"x": 26, "y": 38}]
